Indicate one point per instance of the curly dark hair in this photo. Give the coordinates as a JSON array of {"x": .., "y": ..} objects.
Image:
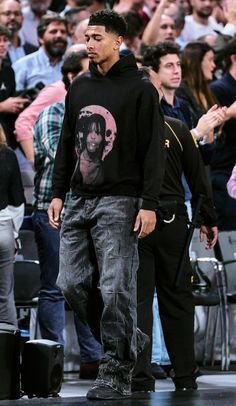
[
  {"x": 152, "y": 54},
  {"x": 112, "y": 21}
]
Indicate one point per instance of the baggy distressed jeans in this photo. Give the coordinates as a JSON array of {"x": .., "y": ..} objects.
[{"x": 98, "y": 253}]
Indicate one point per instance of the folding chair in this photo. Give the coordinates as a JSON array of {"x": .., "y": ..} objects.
[
  {"x": 26, "y": 285},
  {"x": 216, "y": 298}
]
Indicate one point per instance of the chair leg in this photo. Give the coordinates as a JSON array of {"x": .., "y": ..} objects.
[
  {"x": 224, "y": 313},
  {"x": 206, "y": 341},
  {"x": 215, "y": 335},
  {"x": 209, "y": 345},
  {"x": 33, "y": 323}
]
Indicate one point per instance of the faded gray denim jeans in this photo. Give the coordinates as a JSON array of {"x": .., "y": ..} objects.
[
  {"x": 98, "y": 253},
  {"x": 7, "y": 249}
]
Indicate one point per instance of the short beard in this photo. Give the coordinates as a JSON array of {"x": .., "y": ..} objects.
[
  {"x": 39, "y": 8},
  {"x": 55, "y": 52},
  {"x": 14, "y": 31},
  {"x": 203, "y": 15}
]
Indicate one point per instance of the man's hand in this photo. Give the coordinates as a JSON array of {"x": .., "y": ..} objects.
[
  {"x": 229, "y": 7},
  {"x": 54, "y": 212},
  {"x": 13, "y": 105},
  {"x": 211, "y": 233},
  {"x": 214, "y": 117},
  {"x": 145, "y": 222}
]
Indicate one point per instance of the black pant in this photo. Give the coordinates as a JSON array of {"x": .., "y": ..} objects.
[{"x": 160, "y": 254}]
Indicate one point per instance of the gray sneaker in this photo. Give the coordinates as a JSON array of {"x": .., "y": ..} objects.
[{"x": 105, "y": 392}]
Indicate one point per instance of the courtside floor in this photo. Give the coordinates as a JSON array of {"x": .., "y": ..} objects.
[{"x": 215, "y": 388}]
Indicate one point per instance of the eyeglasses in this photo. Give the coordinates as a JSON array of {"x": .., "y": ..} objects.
[{"x": 11, "y": 13}]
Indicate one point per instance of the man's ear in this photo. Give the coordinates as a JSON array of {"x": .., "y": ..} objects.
[
  {"x": 70, "y": 76},
  {"x": 41, "y": 41},
  {"x": 118, "y": 41},
  {"x": 233, "y": 59}
]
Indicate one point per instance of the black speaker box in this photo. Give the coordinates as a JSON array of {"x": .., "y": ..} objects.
[
  {"x": 9, "y": 362},
  {"x": 42, "y": 368}
]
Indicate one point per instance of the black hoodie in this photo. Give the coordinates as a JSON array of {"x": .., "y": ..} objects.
[{"x": 112, "y": 140}]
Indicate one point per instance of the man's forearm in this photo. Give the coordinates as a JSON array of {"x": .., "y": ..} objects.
[{"x": 28, "y": 149}]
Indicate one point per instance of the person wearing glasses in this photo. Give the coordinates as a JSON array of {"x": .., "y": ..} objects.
[{"x": 11, "y": 17}]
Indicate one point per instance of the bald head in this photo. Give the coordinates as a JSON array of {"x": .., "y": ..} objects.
[{"x": 11, "y": 15}]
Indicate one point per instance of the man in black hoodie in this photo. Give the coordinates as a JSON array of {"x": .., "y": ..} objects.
[{"x": 108, "y": 213}]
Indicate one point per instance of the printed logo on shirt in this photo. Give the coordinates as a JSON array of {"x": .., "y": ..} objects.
[
  {"x": 94, "y": 141},
  {"x": 167, "y": 143}
]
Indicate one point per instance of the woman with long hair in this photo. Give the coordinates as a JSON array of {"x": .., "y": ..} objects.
[
  {"x": 197, "y": 71},
  {"x": 11, "y": 216},
  {"x": 198, "y": 67}
]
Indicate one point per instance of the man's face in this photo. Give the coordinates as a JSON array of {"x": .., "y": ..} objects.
[
  {"x": 11, "y": 15},
  {"x": 79, "y": 34},
  {"x": 75, "y": 19},
  {"x": 102, "y": 46},
  {"x": 3, "y": 46},
  {"x": 203, "y": 8},
  {"x": 167, "y": 29},
  {"x": 54, "y": 39},
  {"x": 169, "y": 72},
  {"x": 39, "y": 6},
  {"x": 208, "y": 65},
  {"x": 185, "y": 5},
  {"x": 151, "y": 4}
]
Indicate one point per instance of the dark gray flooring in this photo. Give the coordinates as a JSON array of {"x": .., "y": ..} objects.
[
  {"x": 200, "y": 398},
  {"x": 215, "y": 388}
]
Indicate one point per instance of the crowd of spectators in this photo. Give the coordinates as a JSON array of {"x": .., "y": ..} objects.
[{"x": 35, "y": 35}]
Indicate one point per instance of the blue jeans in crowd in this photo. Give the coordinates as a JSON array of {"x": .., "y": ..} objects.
[
  {"x": 90, "y": 348},
  {"x": 159, "y": 351},
  {"x": 51, "y": 308},
  {"x": 99, "y": 247}
]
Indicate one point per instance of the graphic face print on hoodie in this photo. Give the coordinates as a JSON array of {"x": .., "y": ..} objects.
[{"x": 94, "y": 141}]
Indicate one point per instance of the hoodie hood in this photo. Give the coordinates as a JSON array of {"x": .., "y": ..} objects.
[{"x": 124, "y": 66}]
